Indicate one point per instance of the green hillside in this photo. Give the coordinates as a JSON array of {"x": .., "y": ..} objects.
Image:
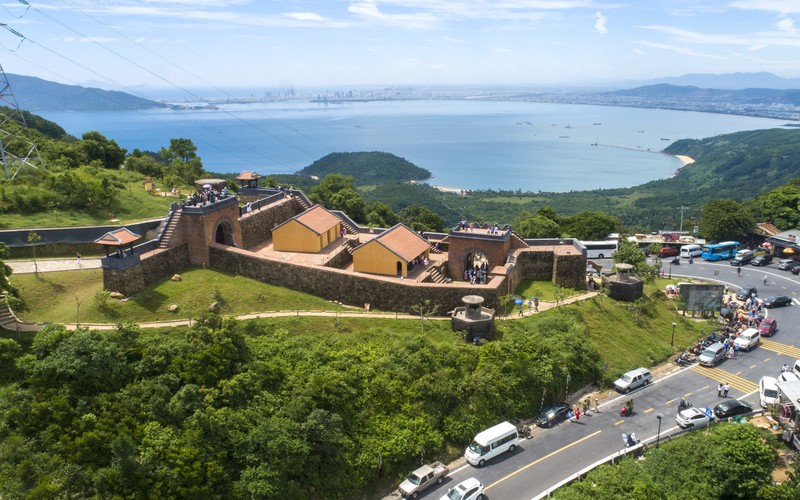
[{"x": 367, "y": 168}]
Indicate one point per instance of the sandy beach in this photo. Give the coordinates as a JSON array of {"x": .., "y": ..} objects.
[{"x": 686, "y": 160}]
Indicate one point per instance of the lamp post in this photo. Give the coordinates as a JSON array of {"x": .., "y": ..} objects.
[
  {"x": 658, "y": 435},
  {"x": 672, "y": 344},
  {"x": 670, "y": 269}
]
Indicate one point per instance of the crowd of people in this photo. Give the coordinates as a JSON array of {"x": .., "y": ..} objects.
[
  {"x": 207, "y": 196},
  {"x": 477, "y": 274}
]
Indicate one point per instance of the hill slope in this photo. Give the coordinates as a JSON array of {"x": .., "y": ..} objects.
[
  {"x": 35, "y": 94},
  {"x": 367, "y": 168}
]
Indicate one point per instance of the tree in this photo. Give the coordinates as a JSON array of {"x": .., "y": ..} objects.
[
  {"x": 381, "y": 215},
  {"x": 179, "y": 149},
  {"x": 536, "y": 226},
  {"x": 33, "y": 240},
  {"x": 725, "y": 219},
  {"x": 421, "y": 218},
  {"x": 591, "y": 225},
  {"x": 781, "y": 206},
  {"x": 348, "y": 201},
  {"x": 425, "y": 310},
  {"x": 98, "y": 148},
  {"x": 328, "y": 186}
]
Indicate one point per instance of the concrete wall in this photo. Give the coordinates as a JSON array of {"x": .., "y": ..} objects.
[
  {"x": 200, "y": 227},
  {"x": 160, "y": 265},
  {"x": 257, "y": 226},
  {"x": 390, "y": 294}
]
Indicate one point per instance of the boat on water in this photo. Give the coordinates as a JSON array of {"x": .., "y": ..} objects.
[{"x": 664, "y": 139}]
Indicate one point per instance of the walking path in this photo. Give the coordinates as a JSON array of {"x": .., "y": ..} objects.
[
  {"x": 543, "y": 306},
  {"x": 50, "y": 265}
]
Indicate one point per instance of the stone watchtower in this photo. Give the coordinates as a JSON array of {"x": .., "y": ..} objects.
[
  {"x": 214, "y": 223},
  {"x": 623, "y": 285}
]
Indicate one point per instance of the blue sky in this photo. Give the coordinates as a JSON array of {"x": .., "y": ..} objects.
[{"x": 318, "y": 43}]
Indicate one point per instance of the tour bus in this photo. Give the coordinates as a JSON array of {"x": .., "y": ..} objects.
[
  {"x": 720, "y": 251},
  {"x": 691, "y": 251},
  {"x": 600, "y": 249},
  {"x": 491, "y": 442}
]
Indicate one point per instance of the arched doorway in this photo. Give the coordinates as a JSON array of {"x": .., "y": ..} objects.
[
  {"x": 223, "y": 235},
  {"x": 476, "y": 266}
]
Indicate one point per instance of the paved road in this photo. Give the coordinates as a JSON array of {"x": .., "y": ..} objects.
[{"x": 555, "y": 454}]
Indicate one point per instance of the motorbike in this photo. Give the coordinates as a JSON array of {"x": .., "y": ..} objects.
[
  {"x": 684, "y": 405},
  {"x": 626, "y": 410},
  {"x": 630, "y": 439},
  {"x": 676, "y": 261}
]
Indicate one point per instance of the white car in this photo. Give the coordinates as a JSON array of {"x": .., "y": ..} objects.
[
  {"x": 748, "y": 339},
  {"x": 692, "y": 417},
  {"x": 469, "y": 489}
]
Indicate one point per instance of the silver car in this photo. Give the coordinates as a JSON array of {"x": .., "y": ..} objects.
[{"x": 692, "y": 417}]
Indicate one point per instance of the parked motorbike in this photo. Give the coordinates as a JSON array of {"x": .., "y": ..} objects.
[
  {"x": 676, "y": 261},
  {"x": 684, "y": 405}
]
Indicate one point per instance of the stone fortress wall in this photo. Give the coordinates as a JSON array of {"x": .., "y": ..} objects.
[{"x": 196, "y": 240}]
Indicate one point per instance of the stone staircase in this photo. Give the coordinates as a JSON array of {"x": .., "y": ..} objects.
[
  {"x": 435, "y": 276},
  {"x": 517, "y": 241},
  {"x": 348, "y": 228},
  {"x": 350, "y": 244},
  {"x": 170, "y": 230},
  {"x": 9, "y": 321}
]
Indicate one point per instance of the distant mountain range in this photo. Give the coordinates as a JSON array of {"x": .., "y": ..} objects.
[
  {"x": 730, "y": 81},
  {"x": 752, "y": 96},
  {"x": 35, "y": 94}
]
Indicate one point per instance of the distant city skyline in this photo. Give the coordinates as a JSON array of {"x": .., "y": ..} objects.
[{"x": 316, "y": 43}]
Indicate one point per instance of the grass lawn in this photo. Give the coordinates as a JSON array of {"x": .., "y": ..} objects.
[
  {"x": 627, "y": 338},
  {"x": 56, "y": 296},
  {"x": 133, "y": 204}
]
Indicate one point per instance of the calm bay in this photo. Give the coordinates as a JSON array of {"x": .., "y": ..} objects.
[{"x": 465, "y": 144}]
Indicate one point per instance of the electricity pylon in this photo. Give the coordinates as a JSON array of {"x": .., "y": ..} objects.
[{"x": 16, "y": 152}]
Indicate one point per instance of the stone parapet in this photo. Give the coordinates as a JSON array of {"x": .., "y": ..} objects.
[
  {"x": 390, "y": 294},
  {"x": 150, "y": 269}
]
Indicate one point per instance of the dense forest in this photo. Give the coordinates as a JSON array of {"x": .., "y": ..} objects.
[
  {"x": 253, "y": 409},
  {"x": 368, "y": 168}
]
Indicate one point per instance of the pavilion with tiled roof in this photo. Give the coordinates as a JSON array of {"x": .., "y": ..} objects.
[
  {"x": 118, "y": 239},
  {"x": 309, "y": 232},
  {"x": 248, "y": 179},
  {"x": 391, "y": 253}
]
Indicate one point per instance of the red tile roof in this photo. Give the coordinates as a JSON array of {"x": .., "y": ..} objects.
[
  {"x": 118, "y": 237},
  {"x": 248, "y": 176},
  {"x": 403, "y": 242},
  {"x": 317, "y": 219}
]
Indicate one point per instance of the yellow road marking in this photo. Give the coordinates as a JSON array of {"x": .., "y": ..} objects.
[
  {"x": 767, "y": 359},
  {"x": 752, "y": 366},
  {"x": 648, "y": 410},
  {"x": 690, "y": 393},
  {"x": 703, "y": 388},
  {"x": 787, "y": 350},
  {"x": 670, "y": 401},
  {"x": 543, "y": 458},
  {"x": 724, "y": 377},
  {"x": 619, "y": 422}
]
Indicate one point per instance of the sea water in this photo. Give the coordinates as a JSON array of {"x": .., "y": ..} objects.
[{"x": 464, "y": 144}]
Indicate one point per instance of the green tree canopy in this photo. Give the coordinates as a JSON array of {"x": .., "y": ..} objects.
[
  {"x": 725, "y": 219},
  {"x": 420, "y": 218},
  {"x": 781, "y": 206},
  {"x": 97, "y": 147},
  {"x": 591, "y": 225},
  {"x": 536, "y": 226}
]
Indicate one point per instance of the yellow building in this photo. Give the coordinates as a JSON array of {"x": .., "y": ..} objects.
[
  {"x": 309, "y": 232},
  {"x": 391, "y": 252}
]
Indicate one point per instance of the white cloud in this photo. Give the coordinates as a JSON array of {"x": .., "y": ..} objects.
[
  {"x": 304, "y": 16},
  {"x": 600, "y": 23},
  {"x": 779, "y": 6},
  {"x": 680, "y": 50},
  {"x": 786, "y": 25}
]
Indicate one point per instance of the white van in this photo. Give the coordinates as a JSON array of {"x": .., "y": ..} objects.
[
  {"x": 491, "y": 442},
  {"x": 633, "y": 380},
  {"x": 768, "y": 391},
  {"x": 691, "y": 251},
  {"x": 796, "y": 368}
]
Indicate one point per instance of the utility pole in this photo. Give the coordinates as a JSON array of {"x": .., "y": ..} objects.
[
  {"x": 16, "y": 151},
  {"x": 682, "y": 208}
]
